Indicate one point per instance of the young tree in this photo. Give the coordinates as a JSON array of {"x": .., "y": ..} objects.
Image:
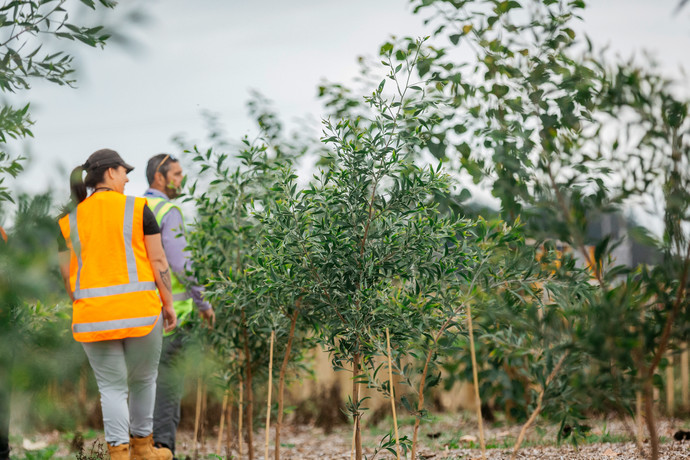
[
  {"x": 366, "y": 240},
  {"x": 225, "y": 243}
]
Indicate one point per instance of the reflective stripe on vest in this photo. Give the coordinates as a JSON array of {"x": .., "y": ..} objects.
[
  {"x": 134, "y": 285},
  {"x": 157, "y": 209},
  {"x": 76, "y": 244},
  {"x": 115, "y": 324},
  {"x": 160, "y": 207}
]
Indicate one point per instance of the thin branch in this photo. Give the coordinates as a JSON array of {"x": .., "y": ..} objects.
[
  {"x": 666, "y": 334},
  {"x": 537, "y": 410},
  {"x": 26, "y": 29},
  {"x": 390, "y": 139}
]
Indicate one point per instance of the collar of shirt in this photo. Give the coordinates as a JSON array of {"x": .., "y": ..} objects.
[{"x": 152, "y": 192}]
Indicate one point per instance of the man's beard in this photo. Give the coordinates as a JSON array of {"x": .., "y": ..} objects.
[{"x": 172, "y": 192}]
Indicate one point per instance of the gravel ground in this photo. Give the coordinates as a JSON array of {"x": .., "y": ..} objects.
[
  {"x": 311, "y": 443},
  {"x": 444, "y": 438}
]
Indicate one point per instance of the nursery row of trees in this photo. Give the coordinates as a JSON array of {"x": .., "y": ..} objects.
[{"x": 382, "y": 257}]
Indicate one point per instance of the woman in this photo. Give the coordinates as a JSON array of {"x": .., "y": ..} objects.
[{"x": 112, "y": 261}]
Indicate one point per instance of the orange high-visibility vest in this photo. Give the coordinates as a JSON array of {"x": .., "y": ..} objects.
[{"x": 110, "y": 273}]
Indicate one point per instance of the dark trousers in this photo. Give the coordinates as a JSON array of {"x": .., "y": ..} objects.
[
  {"x": 169, "y": 390},
  {"x": 5, "y": 392}
]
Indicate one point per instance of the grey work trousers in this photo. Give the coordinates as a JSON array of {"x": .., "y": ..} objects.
[
  {"x": 170, "y": 389},
  {"x": 127, "y": 367}
]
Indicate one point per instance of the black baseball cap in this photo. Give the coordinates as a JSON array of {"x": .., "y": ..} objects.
[{"x": 105, "y": 157}]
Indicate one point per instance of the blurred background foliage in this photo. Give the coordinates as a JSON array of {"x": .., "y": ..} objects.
[{"x": 39, "y": 359}]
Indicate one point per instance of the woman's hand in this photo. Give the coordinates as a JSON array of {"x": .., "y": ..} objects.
[{"x": 169, "y": 318}]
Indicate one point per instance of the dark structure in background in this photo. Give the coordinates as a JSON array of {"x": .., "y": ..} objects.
[{"x": 632, "y": 250}]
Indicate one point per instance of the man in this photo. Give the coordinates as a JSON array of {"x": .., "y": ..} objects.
[{"x": 164, "y": 175}]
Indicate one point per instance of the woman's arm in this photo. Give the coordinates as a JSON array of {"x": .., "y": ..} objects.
[
  {"x": 64, "y": 259},
  {"x": 161, "y": 272}
]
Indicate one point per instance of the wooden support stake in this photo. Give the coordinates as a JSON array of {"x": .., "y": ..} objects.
[
  {"x": 197, "y": 417},
  {"x": 228, "y": 438},
  {"x": 222, "y": 422},
  {"x": 685, "y": 376},
  {"x": 355, "y": 393},
  {"x": 239, "y": 421},
  {"x": 639, "y": 401},
  {"x": 639, "y": 418},
  {"x": 475, "y": 377},
  {"x": 354, "y": 437},
  {"x": 202, "y": 420},
  {"x": 537, "y": 409},
  {"x": 670, "y": 386},
  {"x": 270, "y": 387},
  {"x": 390, "y": 387}
]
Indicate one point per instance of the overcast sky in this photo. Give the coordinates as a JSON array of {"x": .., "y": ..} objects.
[{"x": 196, "y": 55}]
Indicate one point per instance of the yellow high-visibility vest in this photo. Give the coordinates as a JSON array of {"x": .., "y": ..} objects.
[{"x": 182, "y": 299}]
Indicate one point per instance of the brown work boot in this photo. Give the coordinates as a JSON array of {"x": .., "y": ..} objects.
[
  {"x": 143, "y": 449},
  {"x": 120, "y": 452}
]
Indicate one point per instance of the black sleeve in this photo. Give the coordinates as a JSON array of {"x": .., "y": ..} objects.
[{"x": 150, "y": 225}]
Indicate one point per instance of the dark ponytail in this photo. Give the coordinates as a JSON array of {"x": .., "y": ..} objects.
[{"x": 77, "y": 185}]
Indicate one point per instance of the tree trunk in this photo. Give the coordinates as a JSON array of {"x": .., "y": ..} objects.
[
  {"x": 281, "y": 382},
  {"x": 268, "y": 398},
  {"x": 420, "y": 403},
  {"x": 537, "y": 409},
  {"x": 355, "y": 402},
  {"x": 649, "y": 418},
  {"x": 240, "y": 419},
  {"x": 392, "y": 394}
]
